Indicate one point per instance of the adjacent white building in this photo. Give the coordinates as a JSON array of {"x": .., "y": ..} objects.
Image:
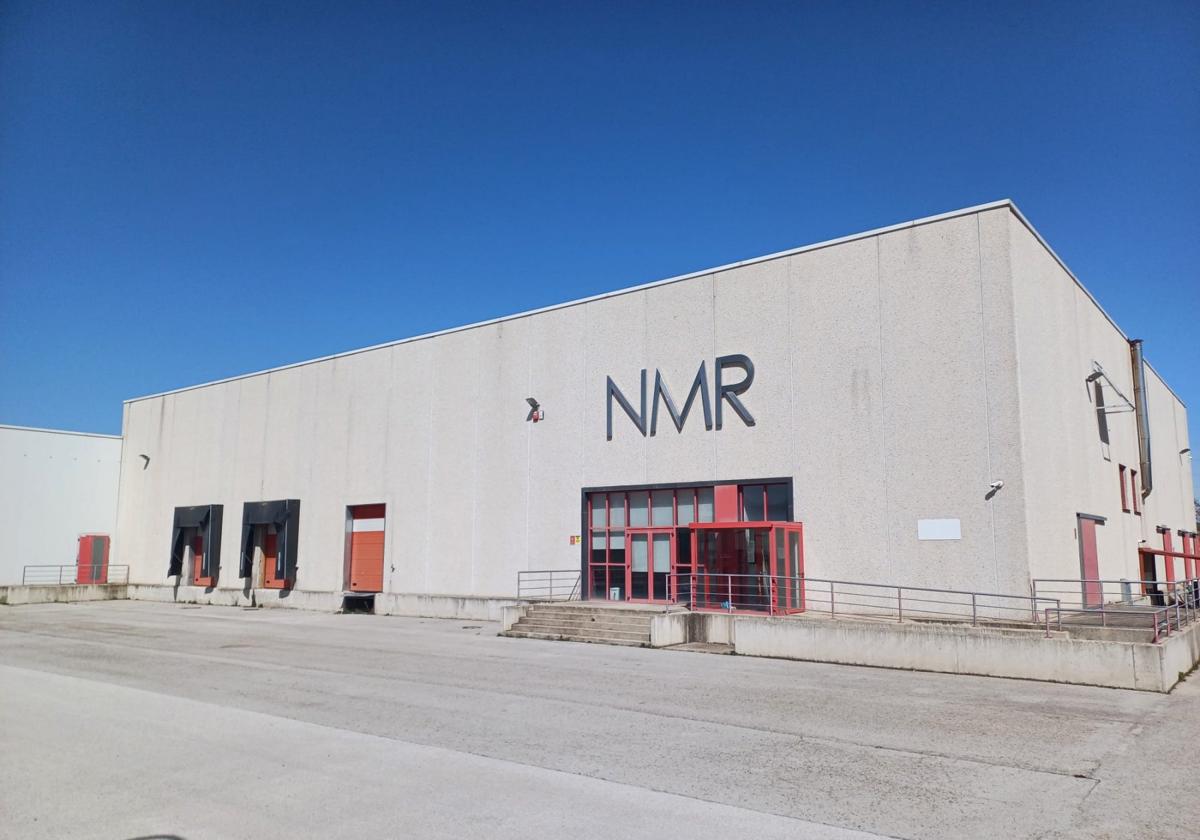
[
  {"x": 57, "y": 487},
  {"x": 940, "y": 403}
]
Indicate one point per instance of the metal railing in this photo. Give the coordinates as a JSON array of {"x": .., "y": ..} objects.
[
  {"x": 548, "y": 585},
  {"x": 74, "y": 575},
  {"x": 781, "y": 595},
  {"x": 1161, "y": 607},
  {"x": 1087, "y": 593}
]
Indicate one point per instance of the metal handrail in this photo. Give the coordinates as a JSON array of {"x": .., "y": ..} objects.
[
  {"x": 548, "y": 585},
  {"x": 1185, "y": 590},
  {"x": 799, "y": 593},
  {"x": 1163, "y": 604},
  {"x": 74, "y": 575},
  {"x": 1159, "y": 619}
]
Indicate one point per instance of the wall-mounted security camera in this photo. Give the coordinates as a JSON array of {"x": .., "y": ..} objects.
[{"x": 996, "y": 485}]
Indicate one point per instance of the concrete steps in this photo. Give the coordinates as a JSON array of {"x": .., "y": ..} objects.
[{"x": 580, "y": 623}]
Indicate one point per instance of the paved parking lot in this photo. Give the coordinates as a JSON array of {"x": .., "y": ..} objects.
[{"x": 125, "y": 719}]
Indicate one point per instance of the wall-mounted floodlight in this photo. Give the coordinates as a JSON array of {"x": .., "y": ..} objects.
[
  {"x": 1094, "y": 375},
  {"x": 535, "y": 410},
  {"x": 145, "y": 460}
]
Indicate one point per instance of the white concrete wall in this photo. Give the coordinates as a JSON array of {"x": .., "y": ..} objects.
[
  {"x": 1061, "y": 332},
  {"x": 886, "y": 387},
  {"x": 54, "y": 486},
  {"x": 959, "y": 649}
]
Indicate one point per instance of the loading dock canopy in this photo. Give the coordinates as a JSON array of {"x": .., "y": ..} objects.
[
  {"x": 284, "y": 514},
  {"x": 207, "y": 519}
]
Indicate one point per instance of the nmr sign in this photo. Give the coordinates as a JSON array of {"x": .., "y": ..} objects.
[{"x": 726, "y": 392}]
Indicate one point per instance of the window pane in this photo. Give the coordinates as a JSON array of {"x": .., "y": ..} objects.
[
  {"x": 639, "y": 513},
  {"x": 685, "y": 507},
  {"x": 752, "y": 503},
  {"x": 704, "y": 512},
  {"x": 616, "y": 547},
  {"x": 599, "y": 582},
  {"x": 640, "y": 553},
  {"x": 616, "y": 510},
  {"x": 598, "y": 543},
  {"x": 597, "y": 510},
  {"x": 664, "y": 511},
  {"x": 777, "y": 502},
  {"x": 662, "y": 552}
]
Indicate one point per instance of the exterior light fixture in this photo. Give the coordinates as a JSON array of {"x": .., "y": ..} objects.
[
  {"x": 1094, "y": 375},
  {"x": 535, "y": 410}
]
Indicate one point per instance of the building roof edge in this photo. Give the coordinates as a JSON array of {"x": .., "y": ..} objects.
[
  {"x": 966, "y": 211},
  {"x": 13, "y": 428}
]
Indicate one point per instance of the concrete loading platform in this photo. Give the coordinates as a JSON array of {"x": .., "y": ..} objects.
[{"x": 1086, "y": 654}]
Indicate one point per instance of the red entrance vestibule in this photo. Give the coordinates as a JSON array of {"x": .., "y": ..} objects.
[{"x": 690, "y": 544}]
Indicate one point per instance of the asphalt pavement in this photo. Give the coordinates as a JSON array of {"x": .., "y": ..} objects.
[{"x": 126, "y": 719}]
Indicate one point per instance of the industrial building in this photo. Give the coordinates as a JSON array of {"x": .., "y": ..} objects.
[
  {"x": 936, "y": 403},
  {"x": 58, "y": 499}
]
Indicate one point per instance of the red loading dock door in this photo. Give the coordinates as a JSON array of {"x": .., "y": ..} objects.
[
  {"x": 366, "y": 548},
  {"x": 198, "y": 576},
  {"x": 270, "y": 558}
]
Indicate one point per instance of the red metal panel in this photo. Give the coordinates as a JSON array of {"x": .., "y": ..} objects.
[
  {"x": 725, "y": 503},
  {"x": 270, "y": 557},
  {"x": 1168, "y": 560},
  {"x": 198, "y": 578},
  {"x": 83, "y": 560},
  {"x": 366, "y": 561},
  {"x": 1089, "y": 562},
  {"x": 368, "y": 511},
  {"x": 91, "y": 559}
]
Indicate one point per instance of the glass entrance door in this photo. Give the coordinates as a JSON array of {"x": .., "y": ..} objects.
[{"x": 651, "y": 556}]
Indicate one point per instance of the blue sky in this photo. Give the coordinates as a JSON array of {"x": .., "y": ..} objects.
[{"x": 342, "y": 174}]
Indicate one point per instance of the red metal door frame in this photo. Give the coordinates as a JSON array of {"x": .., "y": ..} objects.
[
  {"x": 650, "y": 533},
  {"x": 793, "y": 595},
  {"x": 1089, "y": 560},
  {"x": 89, "y": 568},
  {"x": 792, "y": 588}
]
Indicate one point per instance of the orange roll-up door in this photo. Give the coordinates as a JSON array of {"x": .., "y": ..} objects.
[{"x": 366, "y": 548}]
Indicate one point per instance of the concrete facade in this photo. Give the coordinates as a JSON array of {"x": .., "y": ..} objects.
[
  {"x": 898, "y": 373},
  {"x": 1112, "y": 658},
  {"x": 56, "y": 486}
]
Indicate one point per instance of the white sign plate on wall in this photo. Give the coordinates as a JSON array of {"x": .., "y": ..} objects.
[{"x": 939, "y": 529}]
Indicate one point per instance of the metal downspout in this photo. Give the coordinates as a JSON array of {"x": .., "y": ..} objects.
[{"x": 1140, "y": 411}]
